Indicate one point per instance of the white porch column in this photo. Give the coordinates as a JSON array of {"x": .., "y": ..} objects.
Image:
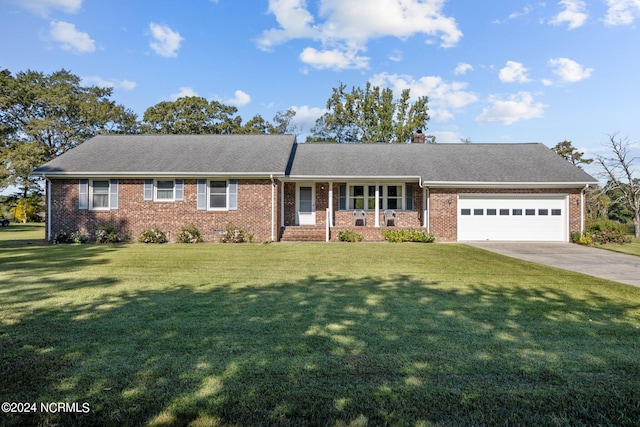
[
  {"x": 330, "y": 204},
  {"x": 282, "y": 203},
  {"x": 377, "y": 205}
]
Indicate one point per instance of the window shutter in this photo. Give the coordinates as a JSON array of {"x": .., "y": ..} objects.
[
  {"x": 409, "y": 197},
  {"x": 179, "y": 189},
  {"x": 113, "y": 194},
  {"x": 233, "y": 194},
  {"x": 342, "y": 197},
  {"x": 83, "y": 194},
  {"x": 148, "y": 189},
  {"x": 202, "y": 194}
]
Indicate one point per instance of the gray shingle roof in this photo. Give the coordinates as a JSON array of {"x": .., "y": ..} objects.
[
  {"x": 182, "y": 155},
  {"x": 438, "y": 163},
  {"x": 263, "y": 155}
]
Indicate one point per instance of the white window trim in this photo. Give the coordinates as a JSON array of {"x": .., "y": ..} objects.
[
  {"x": 383, "y": 195},
  {"x": 155, "y": 191},
  {"x": 91, "y": 207},
  {"x": 226, "y": 191}
]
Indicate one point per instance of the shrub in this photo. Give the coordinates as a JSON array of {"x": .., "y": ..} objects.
[
  {"x": 586, "y": 240},
  {"x": 152, "y": 235},
  {"x": 575, "y": 237},
  {"x": 78, "y": 237},
  {"x": 234, "y": 234},
  {"x": 190, "y": 234},
  {"x": 349, "y": 236},
  {"x": 62, "y": 237},
  {"x": 108, "y": 234},
  {"x": 604, "y": 231},
  {"x": 408, "y": 235}
]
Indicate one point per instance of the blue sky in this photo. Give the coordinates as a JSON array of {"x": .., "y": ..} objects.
[{"x": 496, "y": 71}]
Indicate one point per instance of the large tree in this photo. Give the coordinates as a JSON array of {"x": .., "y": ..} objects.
[
  {"x": 191, "y": 115},
  {"x": 620, "y": 171},
  {"x": 44, "y": 115},
  {"x": 370, "y": 115},
  {"x": 571, "y": 154}
]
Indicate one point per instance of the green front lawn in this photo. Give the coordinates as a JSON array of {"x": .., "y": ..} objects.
[
  {"x": 312, "y": 334},
  {"x": 632, "y": 248}
]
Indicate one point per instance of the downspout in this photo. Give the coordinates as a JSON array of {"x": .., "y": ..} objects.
[
  {"x": 273, "y": 208},
  {"x": 48, "y": 209},
  {"x": 425, "y": 205},
  {"x": 582, "y": 208}
]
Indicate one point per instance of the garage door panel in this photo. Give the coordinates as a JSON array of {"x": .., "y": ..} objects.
[{"x": 516, "y": 218}]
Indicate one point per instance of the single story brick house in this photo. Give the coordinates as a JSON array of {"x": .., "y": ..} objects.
[{"x": 278, "y": 189}]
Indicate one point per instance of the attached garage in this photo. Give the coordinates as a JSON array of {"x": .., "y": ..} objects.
[{"x": 513, "y": 217}]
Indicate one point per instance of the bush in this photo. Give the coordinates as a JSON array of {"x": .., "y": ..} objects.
[
  {"x": 604, "y": 231},
  {"x": 108, "y": 234},
  {"x": 79, "y": 238},
  {"x": 234, "y": 234},
  {"x": 62, "y": 238},
  {"x": 152, "y": 235},
  {"x": 349, "y": 236},
  {"x": 190, "y": 234},
  {"x": 408, "y": 235}
]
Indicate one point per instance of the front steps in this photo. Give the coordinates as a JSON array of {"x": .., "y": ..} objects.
[{"x": 303, "y": 233}]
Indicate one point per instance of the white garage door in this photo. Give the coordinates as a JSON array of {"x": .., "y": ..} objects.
[{"x": 512, "y": 218}]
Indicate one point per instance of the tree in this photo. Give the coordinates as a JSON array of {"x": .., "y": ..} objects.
[
  {"x": 43, "y": 116},
  {"x": 568, "y": 152},
  {"x": 191, "y": 115},
  {"x": 370, "y": 115},
  {"x": 282, "y": 122},
  {"x": 619, "y": 169}
]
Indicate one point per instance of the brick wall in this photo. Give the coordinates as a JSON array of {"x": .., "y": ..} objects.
[{"x": 134, "y": 214}]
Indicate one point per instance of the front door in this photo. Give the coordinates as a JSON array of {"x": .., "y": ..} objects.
[{"x": 306, "y": 205}]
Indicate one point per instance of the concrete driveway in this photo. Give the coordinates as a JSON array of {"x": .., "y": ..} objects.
[{"x": 595, "y": 262}]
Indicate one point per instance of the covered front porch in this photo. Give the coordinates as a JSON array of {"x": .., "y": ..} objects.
[{"x": 318, "y": 210}]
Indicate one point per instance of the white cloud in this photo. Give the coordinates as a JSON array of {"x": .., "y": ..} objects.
[
  {"x": 622, "y": 12},
  {"x": 306, "y": 117},
  {"x": 346, "y": 26},
  {"x": 240, "y": 98},
  {"x": 574, "y": 14},
  {"x": 70, "y": 38},
  {"x": 446, "y": 137},
  {"x": 462, "y": 68},
  {"x": 443, "y": 96},
  {"x": 513, "y": 72},
  {"x": 335, "y": 59},
  {"x": 520, "y": 106},
  {"x": 116, "y": 84},
  {"x": 184, "y": 92},
  {"x": 166, "y": 42},
  {"x": 569, "y": 70},
  {"x": 44, "y": 7},
  {"x": 396, "y": 56}
]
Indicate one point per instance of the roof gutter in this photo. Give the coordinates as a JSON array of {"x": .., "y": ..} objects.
[{"x": 475, "y": 184}]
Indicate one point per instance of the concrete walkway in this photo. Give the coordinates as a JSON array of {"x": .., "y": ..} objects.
[{"x": 595, "y": 262}]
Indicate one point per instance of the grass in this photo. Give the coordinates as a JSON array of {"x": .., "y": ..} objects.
[
  {"x": 312, "y": 334},
  {"x": 632, "y": 248}
]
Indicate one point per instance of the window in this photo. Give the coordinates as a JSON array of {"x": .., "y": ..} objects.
[
  {"x": 364, "y": 197},
  {"x": 491, "y": 211},
  {"x": 218, "y": 194},
  {"x": 530, "y": 212},
  {"x": 465, "y": 212},
  {"x": 516, "y": 212},
  {"x": 478, "y": 211},
  {"x": 556, "y": 212},
  {"x": 356, "y": 197},
  {"x": 100, "y": 195},
  {"x": 504, "y": 212},
  {"x": 543, "y": 212},
  {"x": 394, "y": 197},
  {"x": 164, "y": 191}
]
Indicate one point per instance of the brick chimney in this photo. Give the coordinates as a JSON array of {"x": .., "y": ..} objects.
[{"x": 418, "y": 137}]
